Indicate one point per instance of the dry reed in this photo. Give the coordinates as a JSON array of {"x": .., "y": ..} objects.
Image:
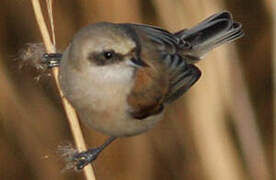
[
  {"x": 213, "y": 141},
  {"x": 70, "y": 112},
  {"x": 274, "y": 79},
  {"x": 211, "y": 134},
  {"x": 236, "y": 98}
]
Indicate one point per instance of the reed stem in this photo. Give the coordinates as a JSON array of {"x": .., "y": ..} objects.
[{"x": 69, "y": 110}]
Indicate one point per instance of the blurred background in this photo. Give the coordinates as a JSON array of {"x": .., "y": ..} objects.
[{"x": 221, "y": 129}]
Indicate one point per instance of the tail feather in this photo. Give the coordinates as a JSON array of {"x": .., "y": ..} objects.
[{"x": 210, "y": 33}]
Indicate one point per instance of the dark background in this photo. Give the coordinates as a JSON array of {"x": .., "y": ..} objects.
[{"x": 221, "y": 129}]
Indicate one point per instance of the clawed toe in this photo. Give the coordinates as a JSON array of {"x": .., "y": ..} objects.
[
  {"x": 51, "y": 59},
  {"x": 79, "y": 160},
  {"x": 86, "y": 157}
]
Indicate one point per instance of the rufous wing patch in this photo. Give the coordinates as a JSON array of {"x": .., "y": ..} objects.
[{"x": 148, "y": 93}]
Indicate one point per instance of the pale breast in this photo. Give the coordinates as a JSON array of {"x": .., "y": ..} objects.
[
  {"x": 100, "y": 87},
  {"x": 99, "y": 95}
]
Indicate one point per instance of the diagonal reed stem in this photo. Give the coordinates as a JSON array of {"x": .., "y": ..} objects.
[{"x": 69, "y": 110}]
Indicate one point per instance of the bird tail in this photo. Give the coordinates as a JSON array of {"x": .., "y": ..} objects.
[{"x": 210, "y": 33}]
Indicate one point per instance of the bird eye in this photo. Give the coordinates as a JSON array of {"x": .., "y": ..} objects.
[{"x": 108, "y": 54}]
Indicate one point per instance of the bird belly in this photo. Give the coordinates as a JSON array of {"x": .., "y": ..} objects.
[
  {"x": 116, "y": 122},
  {"x": 106, "y": 110},
  {"x": 100, "y": 100}
]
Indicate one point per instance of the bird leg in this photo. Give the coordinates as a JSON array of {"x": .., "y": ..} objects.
[
  {"x": 51, "y": 59},
  {"x": 83, "y": 158}
]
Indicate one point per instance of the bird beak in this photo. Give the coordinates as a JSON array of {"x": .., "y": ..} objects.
[{"x": 137, "y": 62}]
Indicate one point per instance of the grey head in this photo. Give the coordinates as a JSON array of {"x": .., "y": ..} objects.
[{"x": 105, "y": 44}]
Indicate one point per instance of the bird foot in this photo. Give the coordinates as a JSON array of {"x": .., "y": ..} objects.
[
  {"x": 51, "y": 59},
  {"x": 84, "y": 158}
]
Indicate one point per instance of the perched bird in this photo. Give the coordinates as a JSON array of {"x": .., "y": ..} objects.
[{"x": 121, "y": 77}]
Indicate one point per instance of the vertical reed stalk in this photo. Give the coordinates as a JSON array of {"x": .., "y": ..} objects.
[
  {"x": 69, "y": 110},
  {"x": 213, "y": 141},
  {"x": 237, "y": 101},
  {"x": 274, "y": 79}
]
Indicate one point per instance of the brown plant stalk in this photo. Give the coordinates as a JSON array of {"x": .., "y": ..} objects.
[
  {"x": 69, "y": 110},
  {"x": 274, "y": 78},
  {"x": 214, "y": 144}
]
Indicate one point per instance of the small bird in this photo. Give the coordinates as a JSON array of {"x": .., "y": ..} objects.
[{"x": 121, "y": 77}]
